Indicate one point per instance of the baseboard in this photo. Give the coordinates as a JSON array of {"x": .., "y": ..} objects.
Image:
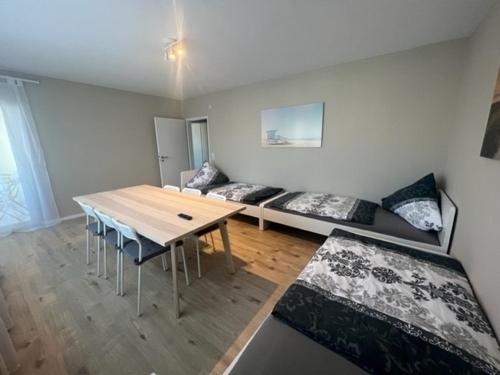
[{"x": 71, "y": 217}]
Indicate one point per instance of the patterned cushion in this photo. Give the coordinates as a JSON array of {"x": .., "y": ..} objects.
[
  {"x": 417, "y": 204},
  {"x": 207, "y": 175}
]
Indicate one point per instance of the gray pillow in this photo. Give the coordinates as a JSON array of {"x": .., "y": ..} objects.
[{"x": 207, "y": 175}]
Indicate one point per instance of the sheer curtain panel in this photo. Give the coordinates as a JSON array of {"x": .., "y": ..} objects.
[{"x": 26, "y": 197}]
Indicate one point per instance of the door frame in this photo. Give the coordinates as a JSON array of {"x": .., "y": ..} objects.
[{"x": 194, "y": 119}]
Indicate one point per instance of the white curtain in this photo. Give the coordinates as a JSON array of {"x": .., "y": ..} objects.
[{"x": 26, "y": 197}]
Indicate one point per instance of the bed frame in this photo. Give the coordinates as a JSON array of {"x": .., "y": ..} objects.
[
  {"x": 268, "y": 215},
  {"x": 448, "y": 214}
]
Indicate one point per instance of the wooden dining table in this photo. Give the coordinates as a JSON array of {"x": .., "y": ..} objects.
[{"x": 154, "y": 213}]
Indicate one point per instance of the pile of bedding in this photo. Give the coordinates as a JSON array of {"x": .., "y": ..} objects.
[
  {"x": 207, "y": 175},
  {"x": 327, "y": 206},
  {"x": 391, "y": 309},
  {"x": 243, "y": 192},
  {"x": 209, "y": 179}
]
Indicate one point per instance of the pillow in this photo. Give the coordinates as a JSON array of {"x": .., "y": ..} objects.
[
  {"x": 207, "y": 175},
  {"x": 417, "y": 204}
]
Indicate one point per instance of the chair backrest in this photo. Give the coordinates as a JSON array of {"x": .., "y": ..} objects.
[
  {"x": 216, "y": 196},
  {"x": 126, "y": 231},
  {"x": 172, "y": 188},
  {"x": 88, "y": 210},
  {"x": 192, "y": 191},
  {"x": 105, "y": 219}
]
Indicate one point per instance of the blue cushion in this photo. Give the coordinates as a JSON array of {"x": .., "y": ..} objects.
[
  {"x": 150, "y": 250},
  {"x": 93, "y": 228},
  {"x": 112, "y": 237}
]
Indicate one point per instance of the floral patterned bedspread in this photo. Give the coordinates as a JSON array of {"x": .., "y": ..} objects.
[
  {"x": 326, "y": 205},
  {"x": 243, "y": 192},
  {"x": 391, "y": 309}
]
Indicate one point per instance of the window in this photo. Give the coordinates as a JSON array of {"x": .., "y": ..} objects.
[
  {"x": 26, "y": 198},
  {"x": 13, "y": 209}
]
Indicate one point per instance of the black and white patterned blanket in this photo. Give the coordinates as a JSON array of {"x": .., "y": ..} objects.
[
  {"x": 243, "y": 192},
  {"x": 391, "y": 309},
  {"x": 327, "y": 206}
]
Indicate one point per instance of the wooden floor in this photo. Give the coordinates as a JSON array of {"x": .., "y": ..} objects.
[{"x": 68, "y": 321}]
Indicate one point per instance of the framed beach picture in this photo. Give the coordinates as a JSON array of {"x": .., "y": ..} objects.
[
  {"x": 296, "y": 126},
  {"x": 491, "y": 141}
]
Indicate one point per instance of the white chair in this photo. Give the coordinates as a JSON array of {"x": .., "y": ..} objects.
[
  {"x": 192, "y": 191},
  {"x": 140, "y": 250},
  {"x": 111, "y": 235},
  {"x": 216, "y": 196},
  {"x": 172, "y": 188},
  {"x": 204, "y": 232},
  {"x": 93, "y": 228}
]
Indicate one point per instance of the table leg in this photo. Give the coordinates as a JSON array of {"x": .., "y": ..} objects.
[
  {"x": 227, "y": 246},
  {"x": 173, "y": 254}
]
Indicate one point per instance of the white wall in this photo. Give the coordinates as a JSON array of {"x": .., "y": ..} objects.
[
  {"x": 95, "y": 138},
  {"x": 472, "y": 181},
  {"x": 387, "y": 122}
]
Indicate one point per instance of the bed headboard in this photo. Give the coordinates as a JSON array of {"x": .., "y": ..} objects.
[
  {"x": 186, "y": 176},
  {"x": 448, "y": 215}
]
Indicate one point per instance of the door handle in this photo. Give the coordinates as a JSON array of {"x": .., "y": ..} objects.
[{"x": 163, "y": 158}]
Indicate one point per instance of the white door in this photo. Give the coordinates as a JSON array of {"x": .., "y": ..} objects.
[{"x": 173, "y": 156}]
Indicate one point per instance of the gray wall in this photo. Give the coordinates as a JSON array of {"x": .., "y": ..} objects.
[
  {"x": 474, "y": 182},
  {"x": 387, "y": 122},
  {"x": 95, "y": 138}
]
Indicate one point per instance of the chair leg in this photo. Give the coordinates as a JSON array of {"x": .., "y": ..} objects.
[
  {"x": 117, "y": 272},
  {"x": 88, "y": 245},
  {"x": 163, "y": 262},
  {"x": 198, "y": 256},
  {"x": 105, "y": 261},
  {"x": 181, "y": 248},
  {"x": 213, "y": 243},
  {"x": 139, "y": 291},
  {"x": 121, "y": 273},
  {"x": 98, "y": 239}
]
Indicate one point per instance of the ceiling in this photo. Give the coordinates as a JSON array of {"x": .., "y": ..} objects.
[{"x": 118, "y": 43}]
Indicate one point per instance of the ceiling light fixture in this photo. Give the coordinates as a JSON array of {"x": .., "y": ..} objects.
[{"x": 173, "y": 49}]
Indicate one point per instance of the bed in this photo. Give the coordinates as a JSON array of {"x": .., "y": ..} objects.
[
  {"x": 362, "y": 305},
  {"x": 384, "y": 226},
  {"x": 252, "y": 196}
]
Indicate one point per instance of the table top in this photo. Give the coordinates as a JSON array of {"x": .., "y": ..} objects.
[{"x": 152, "y": 211}]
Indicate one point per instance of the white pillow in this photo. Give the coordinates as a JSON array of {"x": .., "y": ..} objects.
[{"x": 424, "y": 214}]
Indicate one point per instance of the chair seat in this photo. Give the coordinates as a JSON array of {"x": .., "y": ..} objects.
[
  {"x": 112, "y": 237},
  {"x": 93, "y": 228},
  {"x": 209, "y": 229},
  {"x": 150, "y": 250}
]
